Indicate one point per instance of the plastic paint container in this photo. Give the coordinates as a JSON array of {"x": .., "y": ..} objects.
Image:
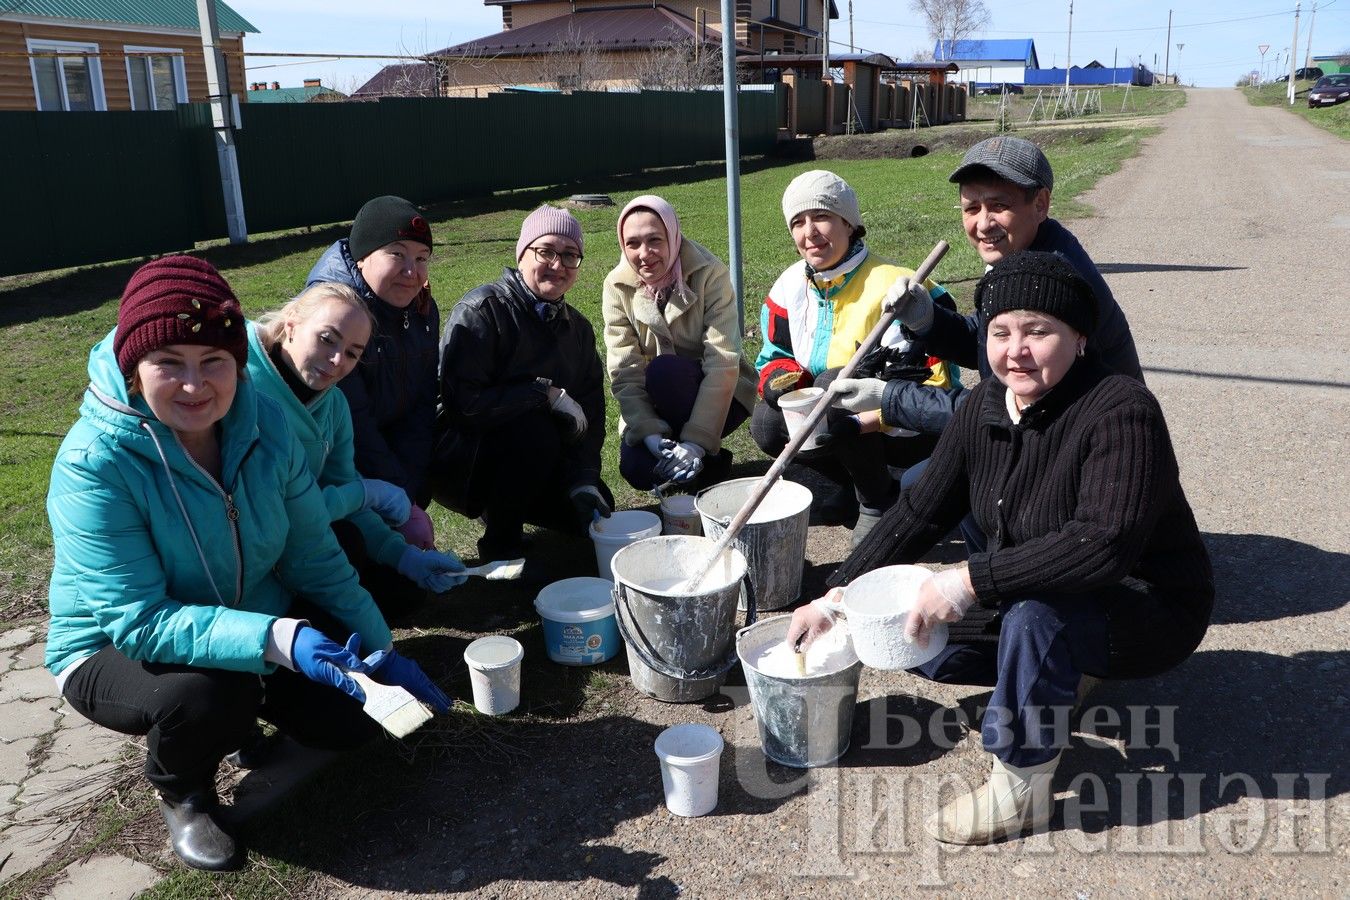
[
  {"x": 876, "y": 606},
  {"x": 678, "y": 515},
  {"x": 796, "y": 406},
  {"x": 578, "y": 618},
  {"x": 494, "y": 672},
  {"x": 691, "y": 757},
  {"x": 620, "y": 530}
]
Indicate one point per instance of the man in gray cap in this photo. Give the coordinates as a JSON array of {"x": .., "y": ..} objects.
[{"x": 1005, "y": 184}]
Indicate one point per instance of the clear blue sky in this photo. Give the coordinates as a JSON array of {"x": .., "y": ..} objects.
[{"x": 1220, "y": 39}]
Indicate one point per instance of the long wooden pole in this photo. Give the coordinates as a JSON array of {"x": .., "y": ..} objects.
[{"x": 765, "y": 484}]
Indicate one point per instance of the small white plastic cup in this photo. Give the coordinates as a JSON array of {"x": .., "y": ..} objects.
[
  {"x": 678, "y": 515},
  {"x": 690, "y": 758},
  {"x": 494, "y": 672},
  {"x": 796, "y": 406}
]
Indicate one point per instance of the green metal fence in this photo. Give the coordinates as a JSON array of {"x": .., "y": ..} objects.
[{"x": 90, "y": 187}]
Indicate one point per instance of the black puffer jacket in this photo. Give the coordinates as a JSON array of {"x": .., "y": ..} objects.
[
  {"x": 494, "y": 349},
  {"x": 1082, "y": 496},
  {"x": 392, "y": 391}
]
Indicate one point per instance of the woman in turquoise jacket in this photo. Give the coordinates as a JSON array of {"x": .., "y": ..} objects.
[
  {"x": 192, "y": 554},
  {"x": 296, "y": 356}
]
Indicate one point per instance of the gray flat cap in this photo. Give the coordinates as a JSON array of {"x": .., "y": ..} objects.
[{"x": 1016, "y": 159}]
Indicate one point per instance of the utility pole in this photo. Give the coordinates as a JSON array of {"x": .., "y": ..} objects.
[
  {"x": 850, "y": 26},
  {"x": 1167, "y": 54},
  {"x": 731, "y": 115},
  {"x": 1068, "y": 54},
  {"x": 1307, "y": 53},
  {"x": 1293, "y": 48},
  {"x": 222, "y": 121},
  {"x": 825, "y": 42}
]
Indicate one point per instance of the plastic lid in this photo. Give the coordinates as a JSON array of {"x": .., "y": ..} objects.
[{"x": 576, "y": 600}]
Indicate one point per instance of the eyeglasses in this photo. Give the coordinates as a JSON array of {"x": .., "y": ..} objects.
[{"x": 548, "y": 256}]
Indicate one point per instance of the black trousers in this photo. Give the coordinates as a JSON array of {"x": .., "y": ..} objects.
[
  {"x": 192, "y": 716},
  {"x": 862, "y": 461},
  {"x": 393, "y": 594},
  {"x": 510, "y": 475}
]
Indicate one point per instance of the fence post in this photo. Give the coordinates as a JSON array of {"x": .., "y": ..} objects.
[{"x": 731, "y": 113}]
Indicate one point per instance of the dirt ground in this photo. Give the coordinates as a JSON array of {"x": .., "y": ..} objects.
[{"x": 1225, "y": 244}]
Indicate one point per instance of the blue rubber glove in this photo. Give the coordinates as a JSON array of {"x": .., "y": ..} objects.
[
  {"x": 389, "y": 667},
  {"x": 325, "y": 661},
  {"x": 433, "y": 570},
  {"x": 389, "y": 501}
]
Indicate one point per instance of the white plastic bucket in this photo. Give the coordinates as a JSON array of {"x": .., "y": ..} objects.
[
  {"x": 620, "y": 530},
  {"x": 494, "y": 672},
  {"x": 796, "y": 406},
  {"x": 691, "y": 757},
  {"x": 578, "y": 619},
  {"x": 876, "y": 606},
  {"x": 678, "y": 515}
]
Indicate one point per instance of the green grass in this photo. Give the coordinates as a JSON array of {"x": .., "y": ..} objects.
[
  {"x": 1116, "y": 102},
  {"x": 1335, "y": 119},
  {"x": 48, "y": 323}
]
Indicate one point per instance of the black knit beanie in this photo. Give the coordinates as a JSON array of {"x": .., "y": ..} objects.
[
  {"x": 385, "y": 220},
  {"x": 1038, "y": 282}
]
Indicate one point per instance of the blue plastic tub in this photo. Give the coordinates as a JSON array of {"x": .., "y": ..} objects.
[{"x": 579, "y": 624}]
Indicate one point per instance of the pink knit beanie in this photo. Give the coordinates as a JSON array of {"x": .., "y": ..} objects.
[{"x": 548, "y": 220}]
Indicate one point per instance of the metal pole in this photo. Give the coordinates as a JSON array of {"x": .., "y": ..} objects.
[
  {"x": 825, "y": 41},
  {"x": 850, "y": 26},
  {"x": 731, "y": 115},
  {"x": 1293, "y": 48},
  {"x": 222, "y": 120}
]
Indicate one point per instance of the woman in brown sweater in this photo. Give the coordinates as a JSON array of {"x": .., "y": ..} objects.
[{"x": 1094, "y": 565}]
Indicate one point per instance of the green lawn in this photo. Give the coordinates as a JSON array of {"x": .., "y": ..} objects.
[
  {"x": 1116, "y": 102},
  {"x": 1335, "y": 119},
  {"x": 48, "y": 323}
]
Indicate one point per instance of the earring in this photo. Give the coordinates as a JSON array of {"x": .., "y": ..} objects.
[{"x": 1082, "y": 349}]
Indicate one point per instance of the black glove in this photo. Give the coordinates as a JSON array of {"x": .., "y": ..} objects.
[
  {"x": 894, "y": 364},
  {"x": 841, "y": 429},
  {"x": 588, "y": 502},
  {"x": 782, "y": 383}
]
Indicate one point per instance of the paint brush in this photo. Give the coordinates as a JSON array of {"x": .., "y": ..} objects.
[
  {"x": 397, "y": 711},
  {"x": 801, "y": 656},
  {"x": 498, "y": 570}
]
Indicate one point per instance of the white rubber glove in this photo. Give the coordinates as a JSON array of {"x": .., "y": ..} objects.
[
  {"x": 912, "y": 304},
  {"x": 388, "y": 501},
  {"x": 815, "y": 619},
  {"x": 570, "y": 413},
  {"x": 857, "y": 394},
  {"x": 943, "y": 597},
  {"x": 653, "y": 444}
]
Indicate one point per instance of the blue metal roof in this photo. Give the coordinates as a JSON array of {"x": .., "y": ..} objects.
[
  {"x": 162, "y": 13},
  {"x": 1019, "y": 50}
]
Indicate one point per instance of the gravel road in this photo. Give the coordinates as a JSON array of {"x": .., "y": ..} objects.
[{"x": 1226, "y": 243}]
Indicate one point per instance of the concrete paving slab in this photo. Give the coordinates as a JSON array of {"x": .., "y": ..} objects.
[
  {"x": 49, "y": 795},
  {"x": 24, "y": 849},
  {"x": 85, "y": 745},
  {"x": 7, "y": 802},
  {"x": 19, "y": 637},
  {"x": 27, "y": 684},
  {"x": 28, "y": 718},
  {"x": 105, "y": 878},
  {"x": 14, "y": 760},
  {"x": 31, "y": 656}
]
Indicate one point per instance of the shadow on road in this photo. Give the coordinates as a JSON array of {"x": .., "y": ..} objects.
[
  {"x": 1260, "y": 578},
  {"x": 1131, "y": 268}
]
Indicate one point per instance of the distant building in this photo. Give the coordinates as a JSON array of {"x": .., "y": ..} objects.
[
  {"x": 608, "y": 44},
  {"x": 110, "y": 54},
  {"x": 989, "y": 62},
  {"x": 402, "y": 80},
  {"x": 312, "y": 91}
]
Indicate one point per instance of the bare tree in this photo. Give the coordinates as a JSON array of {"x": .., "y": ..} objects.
[
  {"x": 577, "y": 63},
  {"x": 950, "y": 21},
  {"x": 679, "y": 65}
]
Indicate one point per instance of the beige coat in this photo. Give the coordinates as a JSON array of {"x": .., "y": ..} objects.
[{"x": 700, "y": 323}]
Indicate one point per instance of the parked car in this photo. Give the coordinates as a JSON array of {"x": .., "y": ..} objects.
[
  {"x": 1006, "y": 87},
  {"x": 1330, "y": 90},
  {"x": 1307, "y": 74}
]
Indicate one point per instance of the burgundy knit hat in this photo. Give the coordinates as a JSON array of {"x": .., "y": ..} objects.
[{"x": 177, "y": 300}]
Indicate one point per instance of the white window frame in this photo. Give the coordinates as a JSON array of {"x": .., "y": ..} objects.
[
  {"x": 44, "y": 45},
  {"x": 179, "y": 73}
]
